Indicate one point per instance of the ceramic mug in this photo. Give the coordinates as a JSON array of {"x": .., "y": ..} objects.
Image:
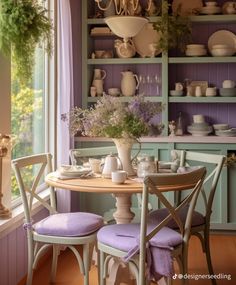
[{"x": 118, "y": 176}]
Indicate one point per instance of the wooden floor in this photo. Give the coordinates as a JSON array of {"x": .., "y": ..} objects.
[{"x": 223, "y": 255}]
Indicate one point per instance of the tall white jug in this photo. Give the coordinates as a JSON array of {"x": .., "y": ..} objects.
[{"x": 129, "y": 83}]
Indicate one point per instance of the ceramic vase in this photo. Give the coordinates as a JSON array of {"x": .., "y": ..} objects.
[{"x": 124, "y": 147}]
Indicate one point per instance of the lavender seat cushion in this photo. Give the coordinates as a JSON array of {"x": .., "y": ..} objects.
[
  {"x": 125, "y": 236},
  {"x": 157, "y": 216},
  {"x": 69, "y": 224}
]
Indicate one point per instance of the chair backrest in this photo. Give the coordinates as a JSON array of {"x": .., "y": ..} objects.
[
  {"x": 214, "y": 164},
  {"x": 80, "y": 155},
  {"x": 29, "y": 173},
  {"x": 159, "y": 184}
]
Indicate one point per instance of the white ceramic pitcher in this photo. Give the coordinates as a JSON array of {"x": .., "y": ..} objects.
[
  {"x": 129, "y": 83},
  {"x": 99, "y": 74}
]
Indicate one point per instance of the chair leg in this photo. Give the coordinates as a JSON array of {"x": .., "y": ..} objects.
[
  {"x": 30, "y": 259},
  {"x": 54, "y": 262},
  {"x": 101, "y": 268},
  {"x": 208, "y": 255},
  {"x": 86, "y": 261}
]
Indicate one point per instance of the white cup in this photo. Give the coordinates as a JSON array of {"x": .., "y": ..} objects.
[
  {"x": 118, "y": 176},
  {"x": 198, "y": 91},
  {"x": 198, "y": 118},
  {"x": 228, "y": 84},
  {"x": 95, "y": 165}
]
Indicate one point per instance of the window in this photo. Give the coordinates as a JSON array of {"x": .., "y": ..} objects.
[{"x": 29, "y": 114}]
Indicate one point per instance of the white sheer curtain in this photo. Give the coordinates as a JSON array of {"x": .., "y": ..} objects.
[{"x": 65, "y": 94}]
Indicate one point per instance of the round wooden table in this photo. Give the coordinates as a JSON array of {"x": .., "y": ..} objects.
[{"x": 121, "y": 192}]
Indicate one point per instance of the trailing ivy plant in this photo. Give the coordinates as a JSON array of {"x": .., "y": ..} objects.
[
  {"x": 24, "y": 25},
  {"x": 175, "y": 30}
]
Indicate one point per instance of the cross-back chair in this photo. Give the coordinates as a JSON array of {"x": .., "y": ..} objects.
[
  {"x": 200, "y": 226},
  {"x": 67, "y": 229},
  {"x": 150, "y": 247}
]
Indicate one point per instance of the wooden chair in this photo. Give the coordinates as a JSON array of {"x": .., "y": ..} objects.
[
  {"x": 67, "y": 229},
  {"x": 201, "y": 222},
  {"x": 152, "y": 240}
]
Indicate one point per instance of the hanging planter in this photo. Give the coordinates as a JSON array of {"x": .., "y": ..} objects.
[
  {"x": 24, "y": 25},
  {"x": 175, "y": 30}
]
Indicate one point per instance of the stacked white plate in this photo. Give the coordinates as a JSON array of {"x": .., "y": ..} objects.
[
  {"x": 200, "y": 129},
  {"x": 223, "y": 130},
  {"x": 226, "y": 133},
  {"x": 195, "y": 50},
  {"x": 74, "y": 171}
]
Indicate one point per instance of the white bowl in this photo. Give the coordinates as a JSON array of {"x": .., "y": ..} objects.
[
  {"x": 196, "y": 52},
  {"x": 198, "y": 118},
  {"x": 114, "y": 91},
  {"x": 218, "y": 127},
  {"x": 211, "y": 3},
  {"x": 195, "y": 46},
  {"x": 222, "y": 51},
  {"x": 176, "y": 92}
]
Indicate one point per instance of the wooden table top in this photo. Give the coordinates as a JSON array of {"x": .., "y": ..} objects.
[{"x": 103, "y": 185}]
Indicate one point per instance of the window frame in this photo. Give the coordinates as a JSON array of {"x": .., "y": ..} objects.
[{"x": 50, "y": 81}]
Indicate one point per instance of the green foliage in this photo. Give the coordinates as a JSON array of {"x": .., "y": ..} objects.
[
  {"x": 23, "y": 25},
  {"x": 175, "y": 30}
]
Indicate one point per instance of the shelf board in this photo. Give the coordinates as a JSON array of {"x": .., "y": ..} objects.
[
  {"x": 125, "y": 61},
  {"x": 96, "y": 21},
  {"x": 215, "y": 99},
  {"x": 127, "y": 99},
  {"x": 203, "y": 59},
  {"x": 213, "y": 18},
  {"x": 198, "y": 19}
]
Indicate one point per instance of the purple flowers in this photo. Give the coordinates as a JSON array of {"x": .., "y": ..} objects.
[{"x": 110, "y": 117}]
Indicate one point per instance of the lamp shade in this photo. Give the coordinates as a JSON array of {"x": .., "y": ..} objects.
[{"x": 125, "y": 26}]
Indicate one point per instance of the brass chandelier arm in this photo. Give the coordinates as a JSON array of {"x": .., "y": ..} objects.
[{"x": 122, "y": 6}]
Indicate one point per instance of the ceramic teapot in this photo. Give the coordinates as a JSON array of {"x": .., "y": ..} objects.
[
  {"x": 124, "y": 50},
  {"x": 129, "y": 83},
  {"x": 111, "y": 164}
]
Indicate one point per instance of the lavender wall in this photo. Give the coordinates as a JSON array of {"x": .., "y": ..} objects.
[{"x": 13, "y": 254}]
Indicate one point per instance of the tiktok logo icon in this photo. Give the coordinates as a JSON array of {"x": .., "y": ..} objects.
[{"x": 174, "y": 276}]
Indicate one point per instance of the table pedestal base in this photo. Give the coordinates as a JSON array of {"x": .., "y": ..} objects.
[{"x": 123, "y": 214}]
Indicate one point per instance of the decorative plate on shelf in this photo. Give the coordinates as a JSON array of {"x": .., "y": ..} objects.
[
  {"x": 144, "y": 39},
  {"x": 222, "y": 37},
  {"x": 190, "y": 7}
]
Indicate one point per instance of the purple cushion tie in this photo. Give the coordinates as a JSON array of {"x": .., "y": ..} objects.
[
  {"x": 69, "y": 224},
  {"x": 125, "y": 237}
]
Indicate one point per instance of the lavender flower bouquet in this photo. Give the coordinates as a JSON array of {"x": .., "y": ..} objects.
[{"x": 110, "y": 117}]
